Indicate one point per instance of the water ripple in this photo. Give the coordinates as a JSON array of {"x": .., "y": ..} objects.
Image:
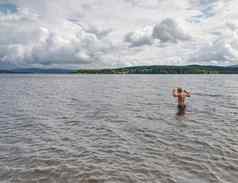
[{"x": 92, "y": 129}]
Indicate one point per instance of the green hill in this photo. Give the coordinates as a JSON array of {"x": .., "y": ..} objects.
[{"x": 156, "y": 69}]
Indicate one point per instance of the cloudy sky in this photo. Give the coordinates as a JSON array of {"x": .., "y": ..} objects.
[{"x": 117, "y": 33}]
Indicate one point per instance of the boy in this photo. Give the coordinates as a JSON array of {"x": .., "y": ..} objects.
[{"x": 181, "y": 95}]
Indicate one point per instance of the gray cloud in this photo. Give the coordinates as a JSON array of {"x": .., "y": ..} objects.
[
  {"x": 169, "y": 31},
  {"x": 99, "y": 32},
  {"x": 140, "y": 37},
  {"x": 166, "y": 31},
  {"x": 224, "y": 50}
]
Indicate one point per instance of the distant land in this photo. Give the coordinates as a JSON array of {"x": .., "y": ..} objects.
[
  {"x": 36, "y": 71},
  {"x": 155, "y": 69},
  {"x": 163, "y": 69}
]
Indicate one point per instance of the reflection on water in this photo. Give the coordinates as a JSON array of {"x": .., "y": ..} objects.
[{"x": 120, "y": 128}]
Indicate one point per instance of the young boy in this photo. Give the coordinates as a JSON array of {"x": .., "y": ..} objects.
[{"x": 181, "y": 95}]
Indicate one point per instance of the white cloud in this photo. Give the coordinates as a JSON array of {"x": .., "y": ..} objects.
[
  {"x": 140, "y": 37},
  {"x": 27, "y": 42},
  {"x": 222, "y": 51},
  {"x": 92, "y": 33},
  {"x": 169, "y": 31}
]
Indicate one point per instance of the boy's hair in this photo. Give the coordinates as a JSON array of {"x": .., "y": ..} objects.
[{"x": 179, "y": 90}]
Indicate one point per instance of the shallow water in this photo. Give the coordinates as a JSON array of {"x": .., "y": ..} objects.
[{"x": 117, "y": 128}]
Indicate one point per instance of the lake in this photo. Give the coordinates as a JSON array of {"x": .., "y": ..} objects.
[{"x": 118, "y": 128}]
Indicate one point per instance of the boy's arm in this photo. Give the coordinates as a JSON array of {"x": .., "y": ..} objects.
[
  {"x": 188, "y": 94},
  {"x": 174, "y": 93}
]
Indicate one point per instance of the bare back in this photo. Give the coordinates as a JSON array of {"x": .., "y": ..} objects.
[{"x": 181, "y": 97}]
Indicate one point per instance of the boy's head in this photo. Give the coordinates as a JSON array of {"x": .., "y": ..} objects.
[{"x": 179, "y": 90}]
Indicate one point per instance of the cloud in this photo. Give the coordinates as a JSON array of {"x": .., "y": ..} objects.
[
  {"x": 149, "y": 4},
  {"x": 140, "y": 37},
  {"x": 166, "y": 31},
  {"x": 98, "y": 31},
  {"x": 92, "y": 33},
  {"x": 170, "y": 31},
  {"x": 28, "y": 40},
  {"x": 222, "y": 51},
  {"x": 54, "y": 47}
]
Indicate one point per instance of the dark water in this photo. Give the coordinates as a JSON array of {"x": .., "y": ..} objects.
[{"x": 121, "y": 128}]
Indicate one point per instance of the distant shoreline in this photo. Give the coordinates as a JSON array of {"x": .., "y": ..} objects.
[
  {"x": 163, "y": 69},
  {"x": 155, "y": 69}
]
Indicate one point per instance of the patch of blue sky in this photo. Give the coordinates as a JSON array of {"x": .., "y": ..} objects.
[
  {"x": 8, "y": 8},
  {"x": 206, "y": 12}
]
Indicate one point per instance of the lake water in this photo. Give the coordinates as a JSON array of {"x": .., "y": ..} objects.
[{"x": 117, "y": 128}]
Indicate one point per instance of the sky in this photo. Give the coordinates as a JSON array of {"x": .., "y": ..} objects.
[{"x": 117, "y": 33}]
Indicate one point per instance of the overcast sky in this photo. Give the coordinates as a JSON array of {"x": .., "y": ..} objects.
[{"x": 117, "y": 33}]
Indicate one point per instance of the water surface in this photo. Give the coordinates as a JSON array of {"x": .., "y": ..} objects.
[{"x": 117, "y": 128}]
